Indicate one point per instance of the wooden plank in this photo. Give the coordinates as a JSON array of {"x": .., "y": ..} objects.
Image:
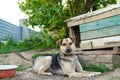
[
  {"x": 98, "y": 52},
  {"x": 107, "y": 22},
  {"x": 104, "y": 32},
  {"x": 116, "y": 48},
  {"x": 94, "y": 17},
  {"x": 108, "y": 8},
  {"x": 86, "y": 45},
  {"x": 112, "y": 43},
  {"x": 99, "y": 43}
]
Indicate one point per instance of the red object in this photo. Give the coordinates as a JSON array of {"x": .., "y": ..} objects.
[{"x": 7, "y": 73}]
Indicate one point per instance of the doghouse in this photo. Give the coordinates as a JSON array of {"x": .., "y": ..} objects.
[{"x": 98, "y": 34}]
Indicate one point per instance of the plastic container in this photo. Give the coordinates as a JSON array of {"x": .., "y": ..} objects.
[{"x": 7, "y": 71}]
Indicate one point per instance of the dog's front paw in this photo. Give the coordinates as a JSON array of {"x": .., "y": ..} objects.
[
  {"x": 45, "y": 73},
  {"x": 94, "y": 73},
  {"x": 49, "y": 74},
  {"x": 90, "y": 74}
]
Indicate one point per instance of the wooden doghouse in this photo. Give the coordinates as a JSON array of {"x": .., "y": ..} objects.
[{"x": 97, "y": 31}]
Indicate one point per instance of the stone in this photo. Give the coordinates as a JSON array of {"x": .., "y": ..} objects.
[
  {"x": 103, "y": 58},
  {"x": 87, "y": 57}
]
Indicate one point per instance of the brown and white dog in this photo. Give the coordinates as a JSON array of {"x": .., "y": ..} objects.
[{"x": 63, "y": 63}]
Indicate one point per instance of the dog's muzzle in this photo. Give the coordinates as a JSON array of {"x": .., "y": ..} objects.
[{"x": 68, "y": 50}]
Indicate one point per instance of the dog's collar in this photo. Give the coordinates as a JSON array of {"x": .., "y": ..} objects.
[
  {"x": 64, "y": 54},
  {"x": 63, "y": 57},
  {"x": 68, "y": 54}
]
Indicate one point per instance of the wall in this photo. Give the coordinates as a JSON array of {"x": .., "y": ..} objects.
[
  {"x": 8, "y": 30},
  {"x": 105, "y": 57}
]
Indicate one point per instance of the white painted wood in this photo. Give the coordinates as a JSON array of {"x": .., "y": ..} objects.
[{"x": 99, "y": 43}]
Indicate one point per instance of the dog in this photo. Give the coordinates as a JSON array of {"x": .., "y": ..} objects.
[{"x": 63, "y": 63}]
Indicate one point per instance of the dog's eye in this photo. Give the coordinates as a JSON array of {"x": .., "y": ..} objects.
[
  {"x": 64, "y": 44},
  {"x": 70, "y": 43}
]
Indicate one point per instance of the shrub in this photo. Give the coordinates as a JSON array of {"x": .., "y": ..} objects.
[
  {"x": 8, "y": 45},
  {"x": 36, "y": 41}
]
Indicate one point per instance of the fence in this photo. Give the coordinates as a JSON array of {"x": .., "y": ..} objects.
[{"x": 8, "y": 30}]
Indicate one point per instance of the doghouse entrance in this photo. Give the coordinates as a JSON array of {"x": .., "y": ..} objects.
[{"x": 76, "y": 32}]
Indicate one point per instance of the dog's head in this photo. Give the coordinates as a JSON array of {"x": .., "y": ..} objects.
[{"x": 67, "y": 45}]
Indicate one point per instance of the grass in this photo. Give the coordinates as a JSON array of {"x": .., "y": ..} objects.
[
  {"x": 97, "y": 68},
  {"x": 34, "y": 56},
  {"x": 22, "y": 68},
  {"x": 117, "y": 65}
]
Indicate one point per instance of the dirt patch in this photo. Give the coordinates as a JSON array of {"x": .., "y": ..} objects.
[{"x": 28, "y": 74}]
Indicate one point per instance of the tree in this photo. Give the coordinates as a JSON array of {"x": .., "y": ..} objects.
[
  {"x": 50, "y": 14},
  {"x": 45, "y": 13},
  {"x": 77, "y": 7}
]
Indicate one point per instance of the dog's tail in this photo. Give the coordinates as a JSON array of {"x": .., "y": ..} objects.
[{"x": 21, "y": 56}]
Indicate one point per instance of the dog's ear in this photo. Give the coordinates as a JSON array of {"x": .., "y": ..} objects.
[
  {"x": 73, "y": 38},
  {"x": 59, "y": 41}
]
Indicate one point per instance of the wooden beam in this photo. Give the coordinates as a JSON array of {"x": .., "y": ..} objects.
[
  {"x": 107, "y": 42},
  {"x": 98, "y": 52},
  {"x": 112, "y": 43},
  {"x": 108, "y": 8},
  {"x": 116, "y": 48},
  {"x": 106, "y": 14}
]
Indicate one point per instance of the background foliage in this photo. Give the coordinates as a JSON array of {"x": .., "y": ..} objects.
[
  {"x": 49, "y": 15},
  {"x": 39, "y": 41},
  {"x": 52, "y": 13}
]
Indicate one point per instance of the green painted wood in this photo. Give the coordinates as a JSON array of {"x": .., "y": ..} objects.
[
  {"x": 107, "y": 22},
  {"x": 103, "y": 32}
]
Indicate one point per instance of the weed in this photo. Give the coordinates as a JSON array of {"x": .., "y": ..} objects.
[
  {"x": 117, "y": 65},
  {"x": 22, "y": 68},
  {"x": 97, "y": 68},
  {"x": 34, "y": 56},
  {"x": 7, "y": 46}
]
